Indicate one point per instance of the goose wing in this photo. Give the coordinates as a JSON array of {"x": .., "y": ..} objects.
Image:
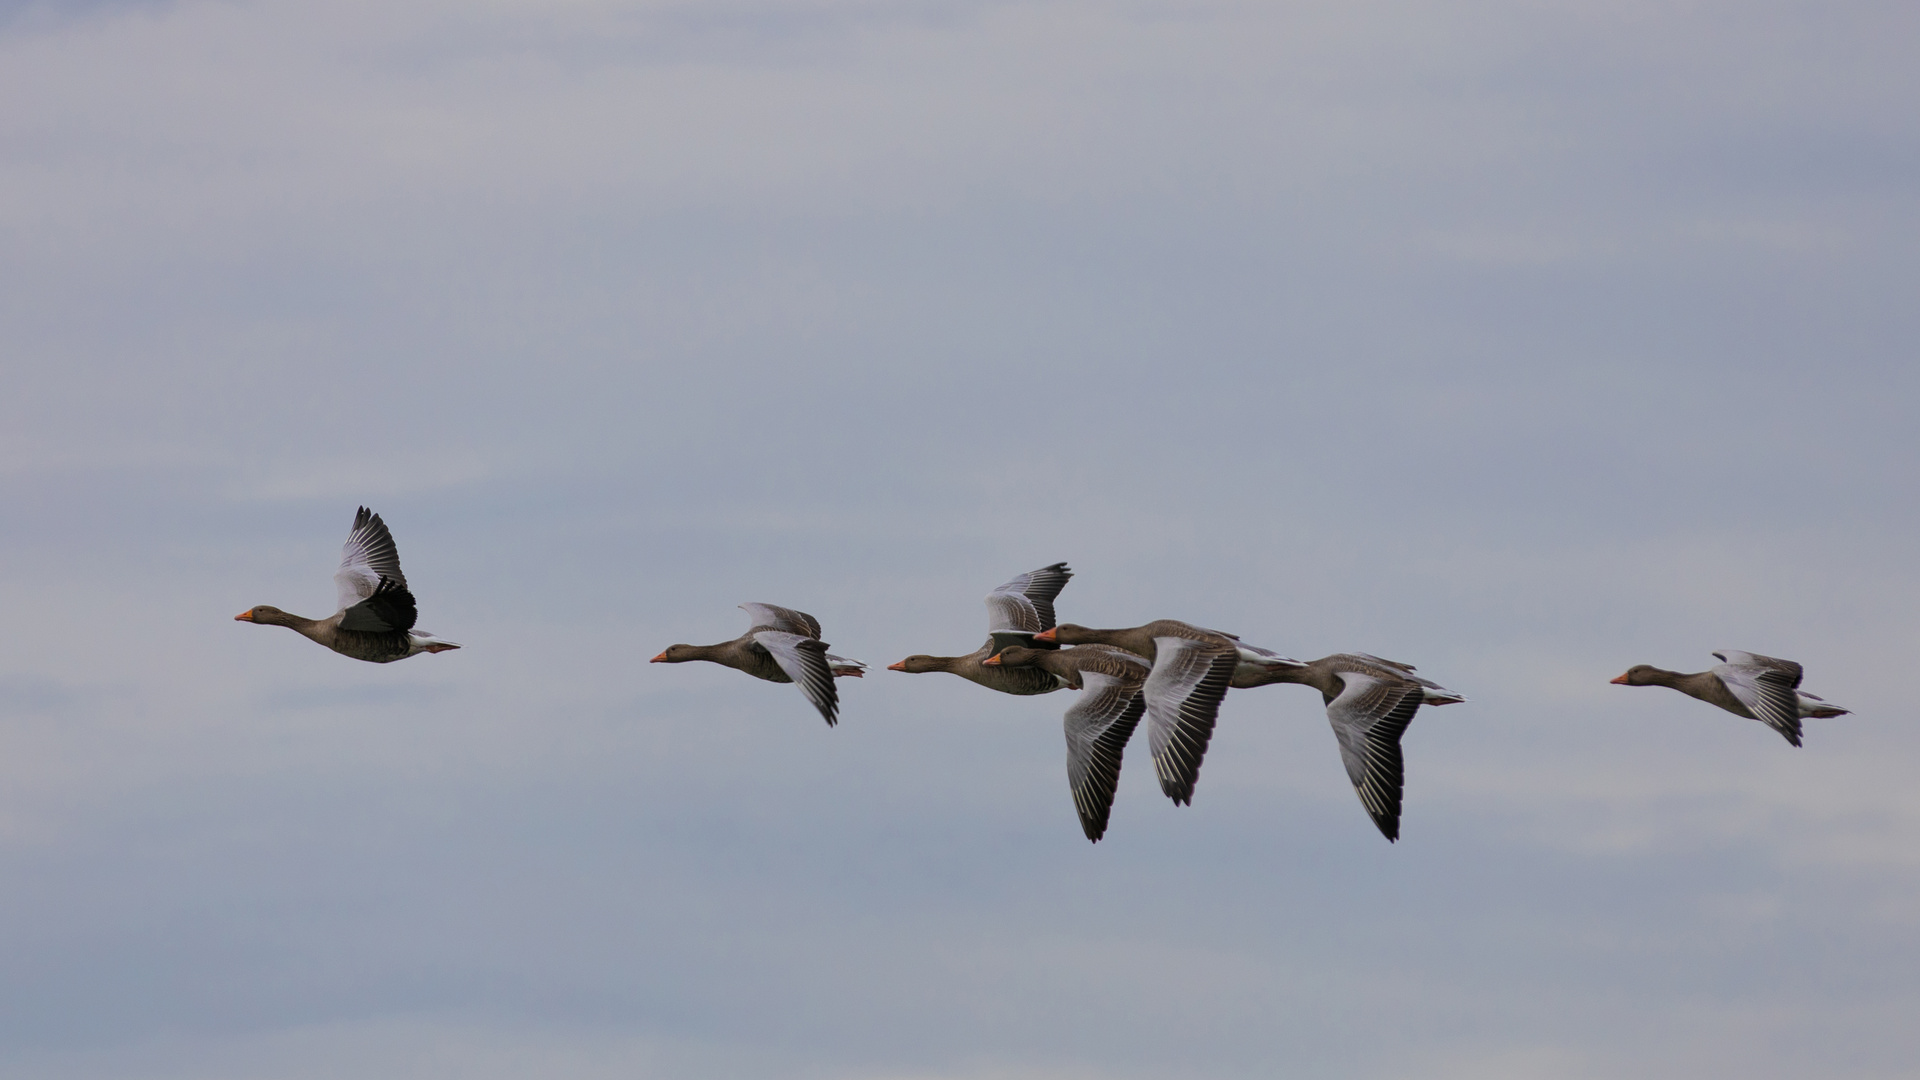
[
  {"x": 368, "y": 558},
  {"x": 1369, "y": 715},
  {"x": 1184, "y": 690},
  {"x": 1787, "y": 668},
  {"x": 1025, "y": 604},
  {"x": 1766, "y": 686},
  {"x": 1098, "y": 727},
  {"x": 804, "y": 659},
  {"x": 370, "y": 589},
  {"x": 389, "y": 608},
  {"x": 775, "y": 617}
]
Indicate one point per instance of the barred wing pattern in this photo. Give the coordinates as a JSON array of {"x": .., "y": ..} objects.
[
  {"x": 1183, "y": 693},
  {"x": 368, "y": 557},
  {"x": 369, "y": 587},
  {"x": 1098, "y": 727},
  {"x": 1369, "y": 715},
  {"x": 804, "y": 660},
  {"x": 1025, "y": 604},
  {"x": 1766, "y": 687}
]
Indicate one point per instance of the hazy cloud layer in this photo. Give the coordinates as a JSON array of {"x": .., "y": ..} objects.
[{"x": 1522, "y": 341}]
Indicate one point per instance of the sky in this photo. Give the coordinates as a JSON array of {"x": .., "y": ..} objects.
[{"x": 1521, "y": 340}]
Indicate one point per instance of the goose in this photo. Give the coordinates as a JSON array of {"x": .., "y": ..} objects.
[
  {"x": 1369, "y": 702},
  {"x": 1098, "y": 724},
  {"x": 1745, "y": 684},
  {"x": 1192, "y": 668},
  {"x": 377, "y": 612},
  {"x": 1016, "y": 611},
  {"x": 781, "y": 645}
]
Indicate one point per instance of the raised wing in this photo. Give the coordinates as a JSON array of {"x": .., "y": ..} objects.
[
  {"x": 1098, "y": 727},
  {"x": 1766, "y": 689},
  {"x": 1025, "y": 604},
  {"x": 1183, "y": 693},
  {"x": 368, "y": 558},
  {"x": 775, "y": 617},
  {"x": 1369, "y": 715},
  {"x": 804, "y": 659}
]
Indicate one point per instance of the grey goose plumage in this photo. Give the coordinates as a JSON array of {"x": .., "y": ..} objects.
[
  {"x": 1016, "y": 611},
  {"x": 782, "y": 645},
  {"x": 1757, "y": 687},
  {"x": 1192, "y": 667},
  {"x": 1098, "y": 723},
  {"x": 1370, "y": 702},
  {"x": 377, "y": 612}
]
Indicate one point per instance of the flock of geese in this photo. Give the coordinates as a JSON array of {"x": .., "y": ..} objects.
[{"x": 1174, "y": 674}]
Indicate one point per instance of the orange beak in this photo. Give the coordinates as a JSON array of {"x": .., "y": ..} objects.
[
  {"x": 661, "y": 659},
  {"x": 245, "y": 616},
  {"x": 901, "y": 666},
  {"x": 1046, "y": 635},
  {"x": 1622, "y": 680},
  {"x": 992, "y": 661}
]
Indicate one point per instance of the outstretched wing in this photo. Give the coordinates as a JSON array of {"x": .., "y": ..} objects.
[
  {"x": 1098, "y": 727},
  {"x": 1183, "y": 692},
  {"x": 1766, "y": 688},
  {"x": 1369, "y": 715},
  {"x": 1025, "y": 604},
  {"x": 368, "y": 558},
  {"x": 775, "y": 617},
  {"x": 804, "y": 659}
]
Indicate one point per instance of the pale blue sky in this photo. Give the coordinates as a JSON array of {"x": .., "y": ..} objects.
[{"x": 1521, "y": 341}]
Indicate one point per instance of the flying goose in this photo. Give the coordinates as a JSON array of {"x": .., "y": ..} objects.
[
  {"x": 782, "y": 645},
  {"x": 1098, "y": 724},
  {"x": 1745, "y": 684},
  {"x": 1191, "y": 670},
  {"x": 1370, "y": 702},
  {"x": 377, "y": 612},
  {"x": 1016, "y": 611}
]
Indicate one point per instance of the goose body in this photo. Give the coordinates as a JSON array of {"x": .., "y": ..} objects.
[
  {"x": 782, "y": 645},
  {"x": 1016, "y": 611},
  {"x": 376, "y": 610},
  {"x": 1192, "y": 667},
  {"x": 1370, "y": 702},
  {"x": 1098, "y": 724},
  {"x": 1757, "y": 687}
]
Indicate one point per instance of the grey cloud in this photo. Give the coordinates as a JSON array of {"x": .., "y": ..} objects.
[{"x": 1518, "y": 342}]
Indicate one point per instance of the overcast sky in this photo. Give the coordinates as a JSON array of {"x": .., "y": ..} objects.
[{"x": 1523, "y": 341}]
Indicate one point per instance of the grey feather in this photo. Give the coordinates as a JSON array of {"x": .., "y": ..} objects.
[
  {"x": 775, "y": 617},
  {"x": 1183, "y": 692},
  {"x": 1097, "y": 728},
  {"x": 1025, "y": 604},
  {"x": 804, "y": 660}
]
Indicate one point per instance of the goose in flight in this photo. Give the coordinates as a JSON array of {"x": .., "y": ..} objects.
[
  {"x": 1016, "y": 611},
  {"x": 1745, "y": 684},
  {"x": 377, "y": 612},
  {"x": 1098, "y": 724},
  {"x": 782, "y": 645},
  {"x": 1370, "y": 702},
  {"x": 1192, "y": 668}
]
